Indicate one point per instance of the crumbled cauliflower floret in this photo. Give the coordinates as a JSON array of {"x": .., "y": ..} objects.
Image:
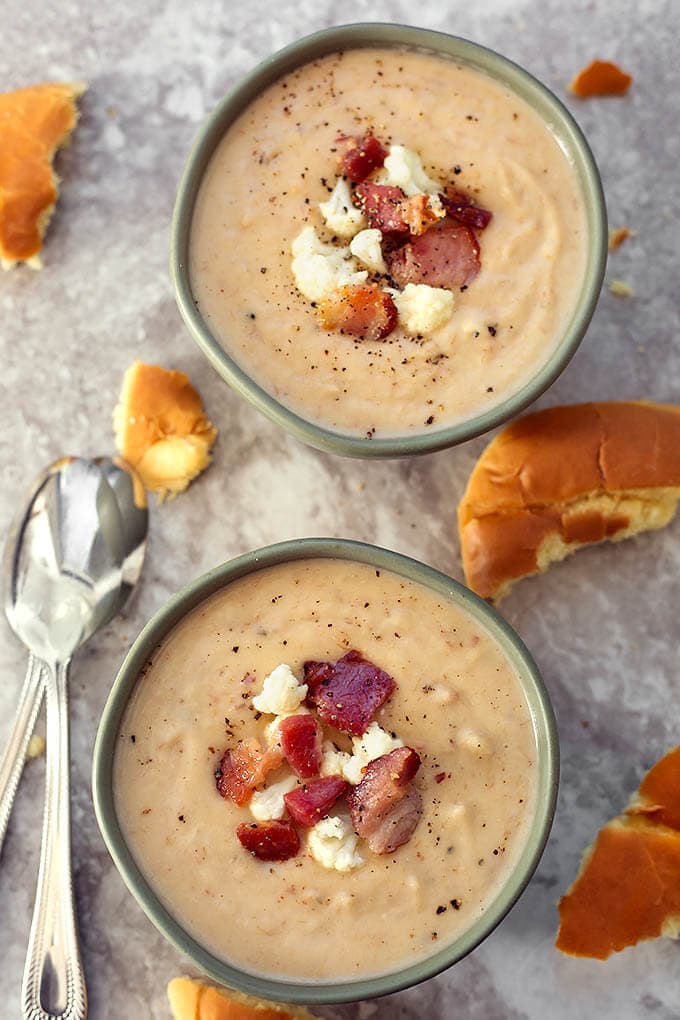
[
  {"x": 423, "y": 309},
  {"x": 333, "y": 761},
  {"x": 268, "y": 804},
  {"x": 281, "y": 693},
  {"x": 341, "y": 215},
  {"x": 332, "y": 842},
  {"x": 405, "y": 170},
  {"x": 319, "y": 269},
  {"x": 366, "y": 247},
  {"x": 373, "y": 744}
]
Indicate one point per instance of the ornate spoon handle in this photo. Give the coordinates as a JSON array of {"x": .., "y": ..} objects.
[
  {"x": 54, "y": 982},
  {"x": 14, "y": 756}
]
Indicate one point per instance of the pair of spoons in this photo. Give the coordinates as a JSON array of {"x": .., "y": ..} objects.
[{"x": 72, "y": 558}]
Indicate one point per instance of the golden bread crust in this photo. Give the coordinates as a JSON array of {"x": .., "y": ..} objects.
[
  {"x": 192, "y": 1000},
  {"x": 34, "y": 123},
  {"x": 161, "y": 428},
  {"x": 628, "y": 888},
  {"x": 565, "y": 477}
]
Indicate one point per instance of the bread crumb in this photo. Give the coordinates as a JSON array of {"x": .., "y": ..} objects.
[
  {"x": 36, "y": 122},
  {"x": 621, "y": 289},
  {"x": 36, "y": 746},
  {"x": 161, "y": 428},
  {"x": 618, "y": 236},
  {"x": 600, "y": 78}
]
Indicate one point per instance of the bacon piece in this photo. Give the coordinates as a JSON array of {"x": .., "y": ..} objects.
[
  {"x": 269, "y": 841},
  {"x": 419, "y": 214},
  {"x": 347, "y": 694},
  {"x": 383, "y": 207},
  {"x": 446, "y": 255},
  {"x": 376, "y": 805},
  {"x": 460, "y": 208},
  {"x": 243, "y": 768},
  {"x": 310, "y": 803},
  {"x": 360, "y": 156},
  {"x": 361, "y": 310},
  {"x": 301, "y": 742},
  {"x": 399, "y": 824}
]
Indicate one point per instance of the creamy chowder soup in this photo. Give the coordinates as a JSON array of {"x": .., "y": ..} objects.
[
  {"x": 458, "y": 703},
  {"x": 279, "y": 160}
]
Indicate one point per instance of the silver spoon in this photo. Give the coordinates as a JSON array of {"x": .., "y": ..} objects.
[{"x": 71, "y": 560}]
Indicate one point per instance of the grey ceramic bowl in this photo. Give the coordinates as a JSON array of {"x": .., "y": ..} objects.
[
  {"x": 561, "y": 124},
  {"x": 188, "y": 599}
]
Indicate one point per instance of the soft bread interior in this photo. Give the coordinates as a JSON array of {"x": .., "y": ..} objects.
[
  {"x": 616, "y": 515},
  {"x": 161, "y": 428}
]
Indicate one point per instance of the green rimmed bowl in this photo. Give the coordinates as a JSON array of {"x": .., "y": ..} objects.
[
  {"x": 558, "y": 120},
  {"x": 185, "y": 601}
]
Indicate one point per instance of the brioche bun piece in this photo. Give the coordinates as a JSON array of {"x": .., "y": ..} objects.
[
  {"x": 161, "y": 428},
  {"x": 628, "y": 888},
  {"x": 566, "y": 477},
  {"x": 191, "y": 1000},
  {"x": 34, "y": 123}
]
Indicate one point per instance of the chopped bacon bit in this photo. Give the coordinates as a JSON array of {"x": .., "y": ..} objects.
[
  {"x": 310, "y": 803},
  {"x": 269, "y": 841},
  {"x": 360, "y": 156},
  {"x": 419, "y": 214},
  {"x": 460, "y": 208},
  {"x": 398, "y": 825},
  {"x": 600, "y": 78},
  {"x": 383, "y": 207},
  {"x": 347, "y": 694},
  {"x": 301, "y": 742},
  {"x": 440, "y": 777},
  {"x": 361, "y": 310},
  {"x": 377, "y": 806},
  {"x": 446, "y": 255},
  {"x": 243, "y": 768}
]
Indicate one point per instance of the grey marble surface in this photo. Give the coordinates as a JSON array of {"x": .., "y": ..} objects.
[{"x": 603, "y": 626}]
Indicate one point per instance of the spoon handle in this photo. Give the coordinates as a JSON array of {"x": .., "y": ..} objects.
[
  {"x": 14, "y": 756},
  {"x": 54, "y": 982}
]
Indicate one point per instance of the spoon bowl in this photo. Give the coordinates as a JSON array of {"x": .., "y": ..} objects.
[
  {"x": 74, "y": 554},
  {"x": 71, "y": 560}
]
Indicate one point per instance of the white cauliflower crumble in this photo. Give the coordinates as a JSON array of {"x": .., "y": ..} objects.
[
  {"x": 269, "y": 804},
  {"x": 333, "y": 761},
  {"x": 373, "y": 744},
  {"x": 332, "y": 842},
  {"x": 281, "y": 692},
  {"x": 319, "y": 269},
  {"x": 403, "y": 169},
  {"x": 341, "y": 215},
  {"x": 423, "y": 309},
  {"x": 366, "y": 247}
]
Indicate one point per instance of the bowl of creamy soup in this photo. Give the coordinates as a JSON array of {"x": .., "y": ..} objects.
[
  {"x": 326, "y": 771},
  {"x": 388, "y": 239}
]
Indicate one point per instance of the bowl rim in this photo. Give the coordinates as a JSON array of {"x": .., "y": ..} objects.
[
  {"x": 552, "y": 111},
  {"x": 202, "y": 588}
]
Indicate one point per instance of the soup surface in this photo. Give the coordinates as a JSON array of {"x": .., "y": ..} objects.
[
  {"x": 279, "y": 160},
  {"x": 458, "y": 702}
]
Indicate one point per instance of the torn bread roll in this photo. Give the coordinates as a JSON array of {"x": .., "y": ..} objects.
[
  {"x": 192, "y": 1000},
  {"x": 35, "y": 122},
  {"x": 563, "y": 478},
  {"x": 628, "y": 886},
  {"x": 161, "y": 428}
]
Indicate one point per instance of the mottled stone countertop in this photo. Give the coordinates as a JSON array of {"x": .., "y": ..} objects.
[{"x": 603, "y": 626}]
